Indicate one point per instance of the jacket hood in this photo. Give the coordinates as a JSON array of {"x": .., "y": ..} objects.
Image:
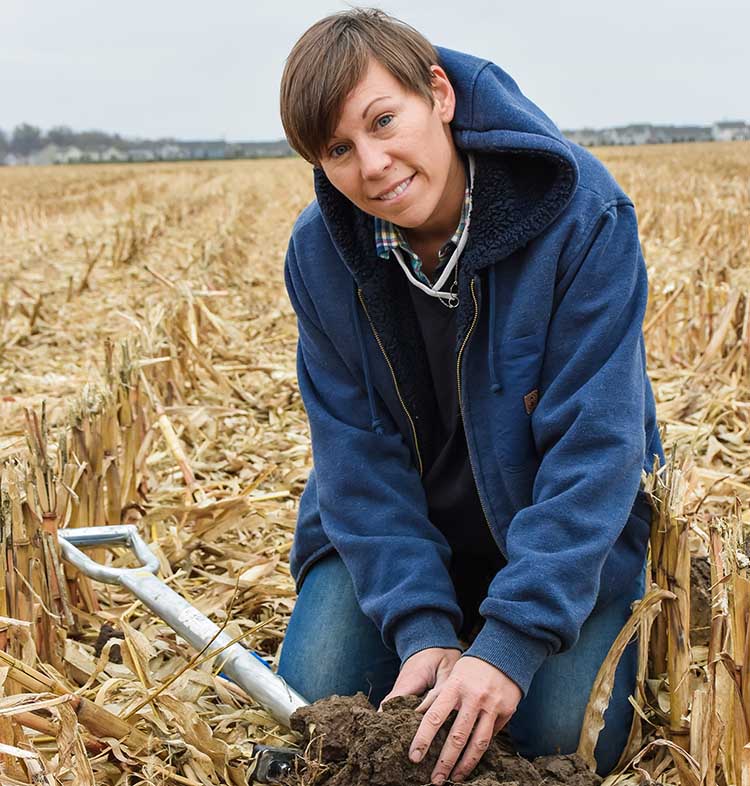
[
  {"x": 493, "y": 115},
  {"x": 526, "y": 171}
]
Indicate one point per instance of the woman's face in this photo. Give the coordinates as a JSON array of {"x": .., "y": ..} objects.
[{"x": 393, "y": 155}]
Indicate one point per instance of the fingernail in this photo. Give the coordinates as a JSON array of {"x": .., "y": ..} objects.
[
  {"x": 439, "y": 780},
  {"x": 415, "y": 755}
]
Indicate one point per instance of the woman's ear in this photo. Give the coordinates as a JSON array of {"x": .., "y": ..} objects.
[{"x": 443, "y": 94}]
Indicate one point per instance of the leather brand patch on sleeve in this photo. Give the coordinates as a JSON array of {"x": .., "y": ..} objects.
[{"x": 530, "y": 400}]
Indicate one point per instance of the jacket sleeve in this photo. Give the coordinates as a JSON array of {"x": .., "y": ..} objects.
[
  {"x": 371, "y": 503},
  {"x": 588, "y": 427}
]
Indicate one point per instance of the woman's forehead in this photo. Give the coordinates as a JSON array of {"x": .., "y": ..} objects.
[
  {"x": 376, "y": 82},
  {"x": 374, "y": 90}
]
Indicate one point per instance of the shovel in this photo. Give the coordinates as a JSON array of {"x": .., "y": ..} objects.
[{"x": 243, "y": 666}]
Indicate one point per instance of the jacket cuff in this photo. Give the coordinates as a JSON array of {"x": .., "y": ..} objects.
[
  {"x": 517, "y": 655},
  {"x": 422, "y": 630}
]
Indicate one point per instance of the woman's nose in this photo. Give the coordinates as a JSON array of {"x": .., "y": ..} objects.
[{"x": 373, "y": 160}]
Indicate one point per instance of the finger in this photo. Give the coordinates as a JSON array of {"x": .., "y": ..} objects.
[
  {"x": 501, "y": 723},
  {"x": 428, "y": 699},
  {"x": 458, "y": 737},
  {"x": 407, "y": 684},
  {"x": 442, "y": 676},
  {"x": 484, "y": 731},
  {"x": 432, "y": 720}
]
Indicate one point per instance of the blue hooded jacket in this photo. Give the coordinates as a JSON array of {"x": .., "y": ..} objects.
[{"x": 550, "y": 367}]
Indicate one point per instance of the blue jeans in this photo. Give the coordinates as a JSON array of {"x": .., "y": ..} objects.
[{"x": 331, "y": 647}]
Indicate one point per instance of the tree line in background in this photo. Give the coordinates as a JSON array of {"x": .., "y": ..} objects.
[
  {"x": 26, "y": 139},
  {"x": 30, "y": 145}
]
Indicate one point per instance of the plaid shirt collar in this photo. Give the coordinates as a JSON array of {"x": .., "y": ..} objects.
[{"x": 388, "y": 236}]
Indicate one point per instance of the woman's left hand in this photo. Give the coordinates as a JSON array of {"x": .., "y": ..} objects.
[{"x": 485, "y": 700}]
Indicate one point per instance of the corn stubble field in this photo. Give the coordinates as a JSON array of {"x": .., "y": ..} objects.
[{"x": 147, "y": 376}]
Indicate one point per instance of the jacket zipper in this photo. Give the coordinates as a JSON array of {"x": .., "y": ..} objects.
[
  {"x": 460, "y": 401},
  {"x": 395, "y": 382}
]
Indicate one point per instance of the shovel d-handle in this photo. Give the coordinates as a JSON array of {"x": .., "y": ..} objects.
[
  {"x": 246, "y": 668},
  {"x": 91, "y": 537}
]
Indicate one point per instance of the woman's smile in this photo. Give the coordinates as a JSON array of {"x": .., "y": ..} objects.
[{"x": 398, "y": 191}]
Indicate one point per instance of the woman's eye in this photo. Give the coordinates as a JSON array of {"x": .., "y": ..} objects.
[
  {"x": 383, "y": 121},
  {"x": 338, "y": 151}
]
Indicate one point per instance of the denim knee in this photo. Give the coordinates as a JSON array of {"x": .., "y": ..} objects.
[
  {"x": 330, "y": 646},
  {"x": 550, "y": 717}
]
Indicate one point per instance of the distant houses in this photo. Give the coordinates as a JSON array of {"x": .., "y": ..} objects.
[
  {"x": 65, "y": 155},
  {"x": 141, "y": 154},
  {"x": 646, "y": 134},
  {"x": 53, "y": 154},
  {"x": 211, "y": 150},
  {"x": 730, "y": 131}
]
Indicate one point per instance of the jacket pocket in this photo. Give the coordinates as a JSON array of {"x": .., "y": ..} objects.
[{"x": 518, "y": 369}]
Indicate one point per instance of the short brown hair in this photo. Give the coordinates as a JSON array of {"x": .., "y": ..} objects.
[{"x": 329, "y": 60}]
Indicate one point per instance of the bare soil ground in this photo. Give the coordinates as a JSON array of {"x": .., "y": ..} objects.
[{"x": 349, "y": 743}]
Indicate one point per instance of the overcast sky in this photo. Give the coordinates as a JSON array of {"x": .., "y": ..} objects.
[{"x": 197, "y": 69}]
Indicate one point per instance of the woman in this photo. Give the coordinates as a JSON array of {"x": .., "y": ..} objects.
[{"x": 470, "y": 292}]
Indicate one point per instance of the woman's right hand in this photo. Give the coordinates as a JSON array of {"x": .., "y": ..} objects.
[{"x": 424, "y": 673}]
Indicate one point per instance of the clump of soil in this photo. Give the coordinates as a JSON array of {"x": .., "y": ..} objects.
[
  {"x": 350, "y": 744},
  {"x": 107, "y": 632}
]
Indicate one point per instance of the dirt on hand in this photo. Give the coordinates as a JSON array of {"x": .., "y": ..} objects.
[{"x": 349, "y": 743}]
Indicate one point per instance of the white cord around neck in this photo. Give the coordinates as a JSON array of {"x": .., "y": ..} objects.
[{"x": 436, "y": 289}]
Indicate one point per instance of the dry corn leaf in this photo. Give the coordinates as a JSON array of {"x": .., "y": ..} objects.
[
  {"x": 253, "y": 574},
  {"x": 642, "y": 617}
]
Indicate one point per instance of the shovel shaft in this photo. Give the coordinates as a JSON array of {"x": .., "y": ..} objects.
[{"x": 246, "y": 668}]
